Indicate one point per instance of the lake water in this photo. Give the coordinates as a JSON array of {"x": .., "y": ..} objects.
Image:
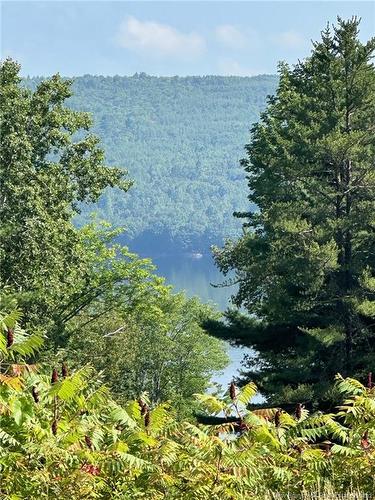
[{"x": 195, "y": 277}]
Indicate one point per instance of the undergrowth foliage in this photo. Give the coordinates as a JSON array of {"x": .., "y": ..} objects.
[{"x": 63, "y": 436}]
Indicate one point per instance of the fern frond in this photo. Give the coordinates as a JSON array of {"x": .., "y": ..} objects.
[{"x": 247, "y": 393}]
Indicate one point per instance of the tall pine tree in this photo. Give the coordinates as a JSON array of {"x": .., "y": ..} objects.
[{"x": 305, "y": 264}]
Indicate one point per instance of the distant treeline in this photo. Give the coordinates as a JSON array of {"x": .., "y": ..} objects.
[{"x": 181, "y": 140}]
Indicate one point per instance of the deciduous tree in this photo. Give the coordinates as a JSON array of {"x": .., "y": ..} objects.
[{"x": 49, "y": 164}]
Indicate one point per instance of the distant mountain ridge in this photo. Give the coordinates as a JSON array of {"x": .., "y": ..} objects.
[{"x": 181, "y": 139}]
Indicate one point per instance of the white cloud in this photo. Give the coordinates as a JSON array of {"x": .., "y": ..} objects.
[
  {"x": 290, "y": 40},
  {"x": 230, "y": 36},
  {"x": 231, "y": 67},
  {"x": 158, "y": 39}
]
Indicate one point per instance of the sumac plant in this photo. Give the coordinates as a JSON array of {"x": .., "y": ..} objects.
[{"x": 64, "y": 436}]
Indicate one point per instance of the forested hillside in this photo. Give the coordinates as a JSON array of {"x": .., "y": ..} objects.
[
  {"x": 105, "y": 372},
  {"x": 181, "y": 140}
]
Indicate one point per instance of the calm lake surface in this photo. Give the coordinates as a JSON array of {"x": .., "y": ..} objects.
[{"x": 195, "y": 276}]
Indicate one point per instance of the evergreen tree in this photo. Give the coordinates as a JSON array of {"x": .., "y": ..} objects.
[{"x": 305, "y": 264}]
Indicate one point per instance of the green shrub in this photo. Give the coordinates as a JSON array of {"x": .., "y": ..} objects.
[{"x": 63, "y": 436}]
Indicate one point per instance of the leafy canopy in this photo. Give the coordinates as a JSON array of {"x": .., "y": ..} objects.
[{"x": 49, "y": 163}]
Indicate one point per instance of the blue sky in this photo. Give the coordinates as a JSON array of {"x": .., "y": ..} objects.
[{"x": 167, "y": 38}]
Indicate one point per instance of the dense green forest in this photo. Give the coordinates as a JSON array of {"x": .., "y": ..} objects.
[
  {"x": 180, "y": 140},
  {"x": 105, "y": 372}
]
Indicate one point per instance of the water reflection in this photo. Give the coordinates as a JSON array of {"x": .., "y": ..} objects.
[{"x": 194, "y": 276}]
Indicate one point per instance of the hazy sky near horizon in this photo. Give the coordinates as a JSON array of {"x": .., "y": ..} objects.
[{"x": 167, "y": 38}]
